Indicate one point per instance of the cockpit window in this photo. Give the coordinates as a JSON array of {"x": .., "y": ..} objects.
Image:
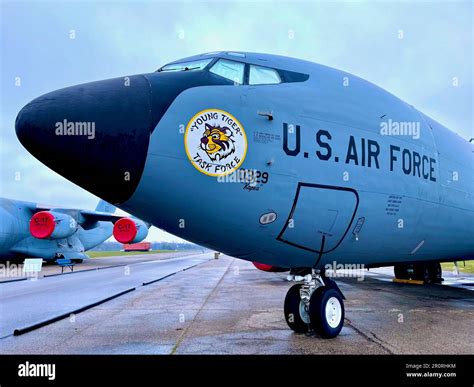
[
  {"x": 230, "y": 70},
  {"x": 236, "y": 71},
  {"x": 186, "y": 66},
  {"x": 259, "y": 75}
]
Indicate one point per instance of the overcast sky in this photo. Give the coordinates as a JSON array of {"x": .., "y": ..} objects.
[{"x": 413, "y": 49}]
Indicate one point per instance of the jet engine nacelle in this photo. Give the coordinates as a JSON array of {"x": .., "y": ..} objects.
[
  {"x": 128, "y": 230},
  {"x": 52, "y": 225},
  {"x": 269, "y": 268}
]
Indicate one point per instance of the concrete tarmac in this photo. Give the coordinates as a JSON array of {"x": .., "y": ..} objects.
[
  {"x": 50, "y": 268},
  {"x": 226, "y": 306},
  {"x": 31, "y": 301}
]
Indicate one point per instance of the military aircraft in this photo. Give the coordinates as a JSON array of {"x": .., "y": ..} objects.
[
  {"x": 32, "y": 230},
  {"x": 269, "y": 159}
]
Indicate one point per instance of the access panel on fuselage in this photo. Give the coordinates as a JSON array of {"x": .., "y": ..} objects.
[{"x": 320, "y": 217}]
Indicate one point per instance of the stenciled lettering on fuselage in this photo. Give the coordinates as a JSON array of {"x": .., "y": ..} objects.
[
  {"x": 361, "y": 152},
  {"x": 215, "y": 142}
]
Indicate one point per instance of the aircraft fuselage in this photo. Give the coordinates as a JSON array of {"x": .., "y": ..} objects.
[{"x": 340, "y": 170}]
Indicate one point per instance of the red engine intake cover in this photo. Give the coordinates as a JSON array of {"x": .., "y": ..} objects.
[
  {"x": 125, "y": 230},
  {"x": 42, "y": 224}
]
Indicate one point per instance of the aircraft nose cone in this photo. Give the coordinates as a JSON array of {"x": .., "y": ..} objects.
[{"x": 95, "y": 134}]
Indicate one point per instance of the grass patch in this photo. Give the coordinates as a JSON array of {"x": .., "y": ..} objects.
[
  {"x": 469, "y": 268},
  {"x": 100, "y": 254}
]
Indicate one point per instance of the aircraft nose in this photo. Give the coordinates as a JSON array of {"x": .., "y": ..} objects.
[{"x": 95, "y": 134}]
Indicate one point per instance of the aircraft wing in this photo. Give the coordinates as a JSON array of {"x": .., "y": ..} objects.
[
  {"x": 106, "y": 217},
  {"x": 89, "y": 216},
  {"x": 100, "y": 216}
]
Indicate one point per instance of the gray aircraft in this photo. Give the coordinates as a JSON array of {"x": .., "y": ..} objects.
[
  {"x": 31, "y": 230},
  {"x": 269, "y": 159}
]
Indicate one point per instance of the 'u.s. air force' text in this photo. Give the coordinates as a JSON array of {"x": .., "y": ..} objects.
[{"x": 362, "y": 152}]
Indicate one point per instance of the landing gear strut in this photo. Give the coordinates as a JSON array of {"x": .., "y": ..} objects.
[{"x": 315, "y": 305}]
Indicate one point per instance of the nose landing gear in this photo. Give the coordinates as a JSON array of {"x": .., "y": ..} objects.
[{"x": 316, "y": 305}]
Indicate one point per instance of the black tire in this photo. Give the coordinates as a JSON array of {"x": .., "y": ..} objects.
[
  {"x": 77, "y": 260},
  {"x": 317, "y": 312},
  {"x": 292, "y": 310},
  {"x": 436, "y": 273},
  {"x": 421, "y": 272},
  {"x": 401, "y": 271}
]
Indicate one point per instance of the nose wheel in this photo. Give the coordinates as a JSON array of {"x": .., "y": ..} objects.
[
  {"x": 296, "y": 311},
  {"x": 316, "y": 305}
]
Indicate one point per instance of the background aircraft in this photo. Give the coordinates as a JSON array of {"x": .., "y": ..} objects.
[
  {"x": 268, "y": 159},
  {"x": 31, "y": 230}
]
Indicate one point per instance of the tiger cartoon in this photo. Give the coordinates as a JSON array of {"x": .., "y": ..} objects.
[{"x": 217, "y": 142}]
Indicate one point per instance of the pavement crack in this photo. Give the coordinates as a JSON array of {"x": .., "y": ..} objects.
[
  {"x": 374, "y": 339},
  {"x": 186, "y": 330}
]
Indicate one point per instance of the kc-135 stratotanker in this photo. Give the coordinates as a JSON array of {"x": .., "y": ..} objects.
[{"x": 269, "y": 159}]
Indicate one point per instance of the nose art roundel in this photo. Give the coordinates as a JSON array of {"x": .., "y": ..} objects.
[{"x": 215, "y": 142}]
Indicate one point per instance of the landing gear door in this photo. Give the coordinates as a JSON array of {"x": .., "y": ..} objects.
[{"x": 320, "y": 217}]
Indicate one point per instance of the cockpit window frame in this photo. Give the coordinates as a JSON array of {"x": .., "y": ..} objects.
[
  {"x": 206, "y": 67},
  {"x": 245, "y": 75},
  {"x": 264, "y": 67},
  {"x": 286, "y": 76}
]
